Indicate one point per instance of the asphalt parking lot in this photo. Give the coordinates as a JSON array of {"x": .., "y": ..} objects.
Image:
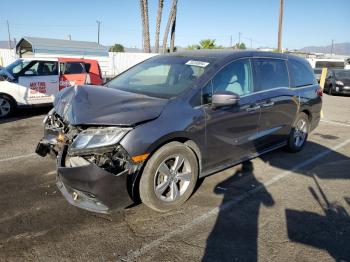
[{"x": 278, "y": 207}]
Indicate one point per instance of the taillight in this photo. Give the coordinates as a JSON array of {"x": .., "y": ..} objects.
[{"x": 319, "y": 91}]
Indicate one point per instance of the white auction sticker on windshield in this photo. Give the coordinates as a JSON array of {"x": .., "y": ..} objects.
[{"x": 197, "y": 63}]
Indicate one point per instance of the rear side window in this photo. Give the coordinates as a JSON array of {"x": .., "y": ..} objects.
[
  {"x": 271, "y": 73},
  {"x": 301, "y": 74},
  {"x": 73, "y": 68}
]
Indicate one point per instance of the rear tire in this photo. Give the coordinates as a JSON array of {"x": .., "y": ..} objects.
[
  {"x": 7, "y": 106},
  {"x": 169, "y": 177},
  {"x": 299, "y": 133}
]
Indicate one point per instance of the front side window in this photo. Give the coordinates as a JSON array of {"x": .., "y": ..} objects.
[
  {"x": 271, "y": 73},
  {"x": 41, "y": 68},
  {"x": 163, "y": 77},
  {"x": 235, "y": 77},
  {"x": 301, "y": 74}
]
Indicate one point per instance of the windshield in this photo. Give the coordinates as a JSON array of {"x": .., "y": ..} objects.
[
  {"x": 16, "y": 66},
  {"x": 342, "y": 73},
  {"x": 161, "y": 76}
]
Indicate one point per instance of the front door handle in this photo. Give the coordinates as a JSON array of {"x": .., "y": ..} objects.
[
  {"x": 268, "y": 104},
  {"x": 53, "y": 81},
  {"x": 253, "y": 109}
]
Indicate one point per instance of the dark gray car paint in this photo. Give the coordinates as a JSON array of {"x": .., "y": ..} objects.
[
  {"x": 228, "y": 135},
  {"x": 94, "y": 105},
  {"x": 223, "y": 136}
]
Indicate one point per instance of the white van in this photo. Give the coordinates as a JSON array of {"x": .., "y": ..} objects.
[{"x": 36, "y": 81}]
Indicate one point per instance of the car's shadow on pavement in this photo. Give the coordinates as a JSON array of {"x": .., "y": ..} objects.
[
  {"x": 235, "y": 234},
  {"x": 330, "y": 231},
  {"x": 234, "y": 237},
  {"x": 23, "y": 113}
]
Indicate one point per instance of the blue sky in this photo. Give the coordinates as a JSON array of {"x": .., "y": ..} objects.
[{"x": 306, "y": 22}]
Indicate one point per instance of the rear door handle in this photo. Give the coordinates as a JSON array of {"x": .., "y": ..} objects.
[
  {"x": 53, "y": 81},
  {"x": 253, "y": 109}
]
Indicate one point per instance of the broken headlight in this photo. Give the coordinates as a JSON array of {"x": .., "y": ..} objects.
[{"x": 94, "y": 138}]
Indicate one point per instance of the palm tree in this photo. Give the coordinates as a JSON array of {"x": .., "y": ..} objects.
[
  {"x": 159, "y": 19},
  {"x": 207, "y": 43},
  {"x": 172, "y": 34},
  {"x": 170, "y": 22},
  {"x": 145, "y": 26}
]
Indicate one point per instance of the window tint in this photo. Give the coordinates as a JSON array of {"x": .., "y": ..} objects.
[
  {"x": 48, "y": 68},
  {"x": 163, "y": 77},
  {"x": 74, "y": 68},
  {"x": 154, "y": 75},
  {"x": 43, "y": 68},
  {"x": 271, "y": 73},
  {"x": 235, "y": 77},
  {"x": 301, "y": 74}
]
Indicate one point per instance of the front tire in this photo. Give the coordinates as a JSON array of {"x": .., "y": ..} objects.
[
  {"x": 169, "y": 177},
  {"x": 299, "y": 133},
  {"x": 7, "y": 106}
]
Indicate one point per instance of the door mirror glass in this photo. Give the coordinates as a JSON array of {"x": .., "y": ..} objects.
[{"x": 225, "y": 98}]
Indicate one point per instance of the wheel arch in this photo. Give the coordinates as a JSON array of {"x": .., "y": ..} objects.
[
  {"x": 308, "y": 113},
  {"x": 175, "y": 137},
  {"x": 11, "y": 97}
]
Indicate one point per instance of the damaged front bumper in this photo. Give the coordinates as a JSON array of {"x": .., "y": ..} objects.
[
  {"x": 84, "y": 183},
  {"x": 92, "y": 188}
]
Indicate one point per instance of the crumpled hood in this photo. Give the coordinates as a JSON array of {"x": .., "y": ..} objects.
[{"x": 98, "y": 105}]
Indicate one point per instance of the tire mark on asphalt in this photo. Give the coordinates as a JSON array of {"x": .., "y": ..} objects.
[{"x": 228, "y": 205}]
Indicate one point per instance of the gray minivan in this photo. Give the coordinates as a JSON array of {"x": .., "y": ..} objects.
[{"x": 158, "y": 127}]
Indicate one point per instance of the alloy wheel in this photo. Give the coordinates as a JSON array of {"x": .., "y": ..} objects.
[
  {"x": 300, "y": 133},
  {"x": 5, "y": 107},
  {"x": 172, "y": 178}
]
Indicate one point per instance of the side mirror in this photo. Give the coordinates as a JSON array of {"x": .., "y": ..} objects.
[
  {"x": 28, "y": 73},
  {"x": 224, "y": 99}
]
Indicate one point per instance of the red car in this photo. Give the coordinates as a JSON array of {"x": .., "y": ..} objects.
[{"x": 76, "y": 71}]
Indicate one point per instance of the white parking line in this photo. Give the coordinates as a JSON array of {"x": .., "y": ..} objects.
[
  {"x": 335, "y": 123},
  {"x": 228, "y": 205},
  {"x": 16, "y": 157}
]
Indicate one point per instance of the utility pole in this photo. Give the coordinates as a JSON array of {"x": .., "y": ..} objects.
[
  {"x": 251, "y": 42},
  {"x": 98, "y": 31},
  {"x": 239, "y": 39},
  {"x": 280, "y": 20},
  {"x": 231, "y": 41},
  {"x": 69, "y": 37},
  {"x": 8, "y": 32},
  {"x": 332, "y": 47}
]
